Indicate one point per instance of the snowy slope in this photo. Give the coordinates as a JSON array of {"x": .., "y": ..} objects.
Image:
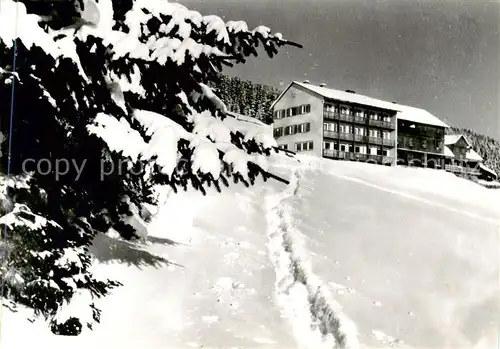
[
  {"x": 411, "y": 255},
  {"x": 198, "y": 281},
  {"x": 348, "y": 253}
]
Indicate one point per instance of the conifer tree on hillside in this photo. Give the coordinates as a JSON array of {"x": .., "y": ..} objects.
[
  {"x": 110, "y": 99},
  {"x": 246, "y": 97}
]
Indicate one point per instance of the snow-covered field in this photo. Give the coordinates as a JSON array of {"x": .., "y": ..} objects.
[
  {"x": 411, "y": 254},
  {"x": 358, "y": 254}
]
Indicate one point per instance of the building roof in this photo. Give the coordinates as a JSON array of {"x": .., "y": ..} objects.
[
  {"x": 403, "y": 112},
  {"x": 487, "y": 169},
  {"x": 245, "y": 118},
  {"x": 472, "y": 155},
  {"x": 448, "y": 152},
  {"x": 453, "y": 139}
]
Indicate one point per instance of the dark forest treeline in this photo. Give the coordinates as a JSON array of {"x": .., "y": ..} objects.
[{"x": 245, "y": 97}]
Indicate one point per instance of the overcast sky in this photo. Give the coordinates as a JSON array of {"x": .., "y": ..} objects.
[{"x": 443, "y": 56}]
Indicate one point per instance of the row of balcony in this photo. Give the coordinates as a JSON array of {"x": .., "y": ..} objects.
[
  {"x": 344, "y": 155},
  {"x": 359, "y": 120},
  {"x": 359, "y": 138},
  {"x": 432, "y": 145},
  {"x": 462, "y": 169}
]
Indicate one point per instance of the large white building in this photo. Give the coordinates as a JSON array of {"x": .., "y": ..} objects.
[{"x": 346, "y": 125}]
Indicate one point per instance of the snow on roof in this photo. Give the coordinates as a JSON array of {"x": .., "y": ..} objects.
[
  {"x": 487, "y": 169},
  {"x": 452, "y": 139},
  {"x": 448, "y": 152},
  {"x": 472, "y": 155},
  {"x": 404, "y": 112},
  {"x": 245, "y": 118}
]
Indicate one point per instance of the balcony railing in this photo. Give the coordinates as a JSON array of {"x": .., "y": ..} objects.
[
  {"x": 328, "y": 115},
  {"x": 359, "y": 120},
  {"x": 359, "y": 138},
  {"x": 380, "y": 123},
  {"x": 462, "y": 169},
  {"x": 331, "y": 134},
  {"x": 429, "y": 145},
  {"x": 388, "y": 142},
  {"x": 343, "y": 155},
  {"x": 375, "y": 140},
  {"x": 346, "y": 136}
]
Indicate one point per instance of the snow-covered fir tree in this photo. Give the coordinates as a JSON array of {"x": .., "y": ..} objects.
[
  {"x": 110, "y": 98},
  {"x": 246, "y": 97}
]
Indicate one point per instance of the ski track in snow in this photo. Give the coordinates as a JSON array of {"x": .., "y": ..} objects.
[{"x": 317, "y": 320}]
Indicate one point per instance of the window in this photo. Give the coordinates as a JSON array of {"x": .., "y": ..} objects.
[
  {"x": 289, "y": 130},
  {"x": 304, "y": 109},
  {"x": 331, "y": 108},
  {"x": 373, "y": 116},
  {"x": 374, "y": 133},
  {"x": 303, "y": 128},
  {"x": 361, "y": 149},
  {"x": 327, "y": 145},
  {"x": 360, "y": 113},
  {"x": 387, "y": 118},
  {"x": 345, "y": 128},
  {"x": 373, "y": 150},
  {"x": 360, "y": 131},
  {"x": 386, "y": 135},
  {"x": 281, "y": 114},
  {"x": 289, "y": 112},
  {"x": 283, "y": 146},
  {"x": 385, "y": 152},
  {"x": 424, "y": 143},
  {"x": 345, "y": 110},
  {"x": 343, "y": 147},
  {"x": 437, "y": 144},
  {"x": 278, "y": 132},
  {"x": 330, "y": 127},
  {"x": 304, "y": 146}
]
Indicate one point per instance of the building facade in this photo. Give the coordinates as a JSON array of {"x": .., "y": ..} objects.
[
  {"x": 348, "y": 126},
  {"x": 462, "y": 159},
  {"x": 420, "y": 144},
  {"x": 344, "y": 125},
  {"x": 298, "y": 121}
]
